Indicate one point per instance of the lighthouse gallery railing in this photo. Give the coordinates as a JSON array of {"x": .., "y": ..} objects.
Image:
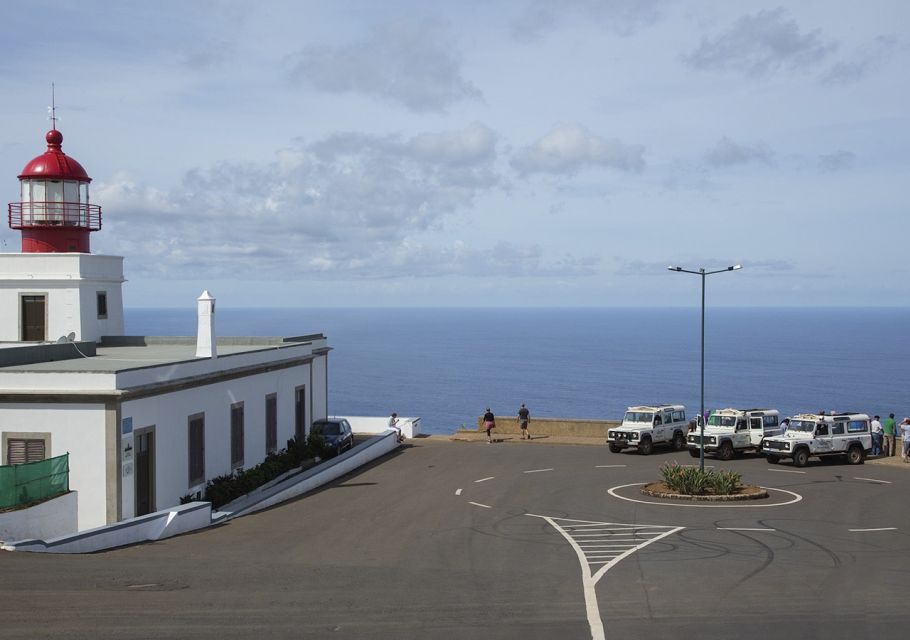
[{"x": 28, "y": 215}]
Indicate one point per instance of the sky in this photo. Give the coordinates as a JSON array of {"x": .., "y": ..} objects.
[{"x": 477, "y": 153}]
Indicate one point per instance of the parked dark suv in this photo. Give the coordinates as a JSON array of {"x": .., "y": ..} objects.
[{"x": 337, "y": 433}]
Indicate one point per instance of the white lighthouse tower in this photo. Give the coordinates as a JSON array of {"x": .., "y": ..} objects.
[{"x": 55, "y": 287}]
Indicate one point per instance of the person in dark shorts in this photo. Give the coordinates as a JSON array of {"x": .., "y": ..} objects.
[
  {"x": 524, "y": 417},
  {"x": 489, "y": 423}
]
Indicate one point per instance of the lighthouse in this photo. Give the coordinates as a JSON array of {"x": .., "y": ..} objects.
[
  {"x": 54, "y": 213},
  {"x": 55, "y": 288}
]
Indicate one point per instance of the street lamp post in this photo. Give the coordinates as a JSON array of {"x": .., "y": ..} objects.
[{"x": 701, "y": 416}]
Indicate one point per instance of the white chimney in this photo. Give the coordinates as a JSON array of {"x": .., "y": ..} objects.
[{"x": 205, "y": 333}]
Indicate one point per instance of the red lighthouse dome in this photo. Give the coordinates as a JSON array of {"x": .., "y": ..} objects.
[{"x": 54, "y": 213}]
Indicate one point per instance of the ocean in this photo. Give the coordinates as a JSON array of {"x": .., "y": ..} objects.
[{"x": 447, "y": 365}]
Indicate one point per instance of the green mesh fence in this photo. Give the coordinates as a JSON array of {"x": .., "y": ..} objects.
[{"x": 34, "y": 481}]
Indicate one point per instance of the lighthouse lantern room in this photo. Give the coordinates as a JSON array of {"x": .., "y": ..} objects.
[
  {"x": 54, "y": 213},
  {"x": 55, "y": 287}
]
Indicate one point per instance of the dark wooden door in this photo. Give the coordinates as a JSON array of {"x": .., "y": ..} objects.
[
  {"x": 145, "y": 470},
  {"x": 33, "y": 318}
]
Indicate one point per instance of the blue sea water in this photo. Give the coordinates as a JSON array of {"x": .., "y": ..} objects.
[{"x": 448, "y": 365}]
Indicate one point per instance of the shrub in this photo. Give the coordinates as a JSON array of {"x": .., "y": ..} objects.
[
  {"x": 230, "y": 486},
  {"x": 692, "y": 481},
  {"x": 725, "y": 482}
]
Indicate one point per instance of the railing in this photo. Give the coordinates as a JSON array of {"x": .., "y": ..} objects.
[
  {"x": 34, "y": 481},
  {"x": 29, "y": 215}
]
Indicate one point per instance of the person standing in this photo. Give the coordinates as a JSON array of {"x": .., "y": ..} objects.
[
  {"x": 489, "y": 423},
  {"x": 524, "y": 418},
  {"x": 888, "y": 427},
  {"x": 876, "y": 436},
  {"x": 905, "y": 438}
]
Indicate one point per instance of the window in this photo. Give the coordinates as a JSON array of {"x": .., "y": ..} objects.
[
  {"x": 679, "y": 416},
  {"x": 300, "y": 413},
  {"x": 857, "y": 426},
  {"x": 196, "y": 449},
  {"x": 821, "y": 430},
  {"x": 21, "y": 451},
  {"x": 837, "y": 429},
  {"x": 102, "y": 304},
  {"x": 271, "y": 423},
  {"x": 770, "y": 421},
  {"x": 236, "y": 435}
]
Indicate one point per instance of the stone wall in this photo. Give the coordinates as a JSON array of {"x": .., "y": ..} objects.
[{"x": 555, "y": 426}]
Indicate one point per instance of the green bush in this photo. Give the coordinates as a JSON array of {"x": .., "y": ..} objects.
[
  {"x": 692, "y": 481},
  {"x": 230, "y": 486}
]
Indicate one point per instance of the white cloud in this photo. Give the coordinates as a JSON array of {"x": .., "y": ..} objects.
[
  {"x": 837, "y": 161},
  {"x": 410, "y": 62},
  {"x": 728, "y": 153},
  {"x": 621, "y": 17},
  {"x": 760, "y": 44},
  {"x": 569, "y": 148},
  {"x": 863, "y": 61},
  {"x": 350, "y": 205}
]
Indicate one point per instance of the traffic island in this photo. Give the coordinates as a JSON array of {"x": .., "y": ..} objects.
[
  {"x": 692, "y": 483},
  {"x": 743, "y": 492}
]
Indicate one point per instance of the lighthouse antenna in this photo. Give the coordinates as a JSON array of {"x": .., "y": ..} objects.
[{"x": 52, "y": 110}]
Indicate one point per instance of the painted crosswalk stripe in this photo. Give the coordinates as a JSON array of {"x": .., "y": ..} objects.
[
  {"x": 477, "y": 504},
  {"x": 484, "y": 479},
  {"x": 879, "y": 529},
  {"x": 537, "y": 470}
]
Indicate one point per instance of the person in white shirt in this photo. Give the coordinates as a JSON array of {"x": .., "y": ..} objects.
[
  {"x": 905, "y": 438},
  {"x": 393, "y": 424},
  {"x": 877, "y": 434}
]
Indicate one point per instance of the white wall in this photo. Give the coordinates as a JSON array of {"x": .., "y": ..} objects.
[
  {"x": 70, "y": 281},
  {"x": 77, "y": 429},
  {"x": 169, "y": 414},
  {"x": 49, "y": 519},
  {"x": 410, "y": 427}
]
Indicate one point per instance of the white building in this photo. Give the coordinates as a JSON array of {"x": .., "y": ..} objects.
[{"x": 146, "y": 420}]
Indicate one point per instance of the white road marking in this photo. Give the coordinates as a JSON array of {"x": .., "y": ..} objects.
[
  {"x": 742, "y": 529},
  {"x": 608, "y": 466},
  {"x": 723, "y": 505},
  {"x": 457, "y": 492},
  {"x": 786, "y": 471},
  {"x": 880, "y": 529},
  {"x": 537, "y": 470},
  {"x": 477, "y": 504},
  {"x": 874, "y": 480},
  {"x": 484, "y": 479},
  {"x": 604, "y": 559}
]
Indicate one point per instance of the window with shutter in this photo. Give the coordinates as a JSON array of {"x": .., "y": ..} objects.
[
  {"x": 237, "y": 435},
  {"x": 196, "y": 449},
  {"x": 21, "y": 450}
]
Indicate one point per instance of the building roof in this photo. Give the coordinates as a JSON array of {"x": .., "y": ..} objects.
[
  {"x": 122, "y": 363},
  {"x": 53, "y": 163}
]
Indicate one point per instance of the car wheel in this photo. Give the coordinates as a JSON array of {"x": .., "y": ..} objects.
[
  {"x": 645, "y": 447},
  {"x": 773, "y": 459},
  {"x": 726, "y": 451},
  {"x": 679, "y": 441},
  {"x": 800, "y": 457},
  {"x": 855, "y": 455},
  {"x": 615, "y": 448},
  {"x": 695, "y": 453}
]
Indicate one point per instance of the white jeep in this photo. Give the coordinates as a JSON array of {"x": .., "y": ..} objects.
[
  {"x": 645, "y": 426},
  {"x": 732, "y": 431},
  {"x": 841, "y": 434}
]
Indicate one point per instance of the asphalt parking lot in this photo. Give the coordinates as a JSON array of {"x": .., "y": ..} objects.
[{"x": 469, "y": 540}]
